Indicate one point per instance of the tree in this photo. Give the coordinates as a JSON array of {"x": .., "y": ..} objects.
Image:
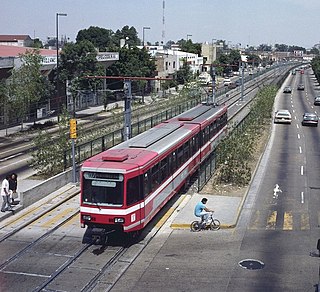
[
  {"x": 79, "y": 60},
  {"x": 132, "y": 62},
  {"x": 27, "y": 85},
  {"x": 189, "y": 46},
  {"x": 130, "y": 34},
  {"x": 48, "y": 158},
  {"x": 101, "y": 38},
  {"x": 184, "y": 74}
]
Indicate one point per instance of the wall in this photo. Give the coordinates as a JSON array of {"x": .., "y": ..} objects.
[{"x": 45, "y": 188}]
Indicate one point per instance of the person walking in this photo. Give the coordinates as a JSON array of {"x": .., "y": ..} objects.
[
  {"x": 13, "y": 184},
  {"x": 5, "y": 195}
]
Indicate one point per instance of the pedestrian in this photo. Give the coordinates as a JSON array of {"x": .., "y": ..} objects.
[
  {"x": 6, "y": 206},
  {"x": 13, "y": 184}
]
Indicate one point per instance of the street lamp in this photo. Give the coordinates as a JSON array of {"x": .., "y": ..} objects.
[
  {"x": 144, "y": 28},
  {"x": 57, "y": 48}
]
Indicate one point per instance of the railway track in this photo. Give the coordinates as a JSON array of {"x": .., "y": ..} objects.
[{"x": 46, "y": 251}]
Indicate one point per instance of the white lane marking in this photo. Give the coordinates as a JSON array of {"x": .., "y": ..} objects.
[
  {"x": 301, "y": 170},
  {"x": 298, "y": 136},
  {"x": 10, "y": 157},
  {"x": 300, "y": 149},
  {"x": 14, "y": 163},
  {"x": 297, "y": 126},
  {"x": 302, "y": 197}
]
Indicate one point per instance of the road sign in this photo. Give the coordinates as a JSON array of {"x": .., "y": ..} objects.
[{"x": 73, "y": 128}]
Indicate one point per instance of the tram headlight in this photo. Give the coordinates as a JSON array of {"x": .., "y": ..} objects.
[
  {"x": 119, "y": 220},
  {"x": 86, "y": 217}
]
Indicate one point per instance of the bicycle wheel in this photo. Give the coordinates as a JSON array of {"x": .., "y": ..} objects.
[
  {"x": 195, "y": 226},
  {"x": 215, "y": 224}
]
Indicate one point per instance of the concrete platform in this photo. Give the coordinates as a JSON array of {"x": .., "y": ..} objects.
[{"x": 227, "y": 210}]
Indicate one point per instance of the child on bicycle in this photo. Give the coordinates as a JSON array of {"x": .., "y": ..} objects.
[{"x": 202, "y": 211}]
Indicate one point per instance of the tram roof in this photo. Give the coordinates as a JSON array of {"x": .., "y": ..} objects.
[{"x": 199, "y": 115}]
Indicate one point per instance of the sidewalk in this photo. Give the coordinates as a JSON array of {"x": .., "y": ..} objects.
[{"x": 227, "y": 210}]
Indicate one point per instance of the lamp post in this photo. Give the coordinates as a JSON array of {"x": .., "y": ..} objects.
[
  {"x": 144, "y": 28},
  {"x": 57, "y": 48}
]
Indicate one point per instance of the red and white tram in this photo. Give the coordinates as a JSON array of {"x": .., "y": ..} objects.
[{"x": 124, "y": 187}]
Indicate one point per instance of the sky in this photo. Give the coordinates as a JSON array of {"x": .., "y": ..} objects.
[{"x": 249, "y": 22}]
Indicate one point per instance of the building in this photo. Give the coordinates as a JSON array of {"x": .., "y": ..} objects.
[{"x": 16, "y": 40}]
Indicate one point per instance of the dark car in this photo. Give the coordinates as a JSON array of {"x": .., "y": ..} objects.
[
  {"x": 239, "y": 82},
  {"x": 310, "y": 119},
  {"x": 287, "y": 89},
  {"x": 300, "y": 87},
  {"x": 317, "y": 100},
  {"x": 232, "y": 85}
]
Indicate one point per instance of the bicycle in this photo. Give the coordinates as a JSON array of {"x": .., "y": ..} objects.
[{"x": 212, "y": 224}]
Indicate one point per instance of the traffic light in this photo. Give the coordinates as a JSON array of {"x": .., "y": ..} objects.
[{"x": 73, "y": 128}]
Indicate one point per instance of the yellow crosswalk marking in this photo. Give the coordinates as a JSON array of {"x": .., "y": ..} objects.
[
  {"x": 271, "y": 223},
  {"x": 255, "y": 220},
  {"x": 288, "y": 222},
  {"x": 305, "y": 225}
]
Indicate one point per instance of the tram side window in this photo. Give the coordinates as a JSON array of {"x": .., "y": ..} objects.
[
  {"x": 163, "y": 169},
  {"x": 133, "y": 190},
  {"x": 155, "y": 177},
  {"x": 186, "y": 151},
  {"x": 180, "y": 156},
  {"x": 146, "y": 183},
  {"x": 172, "y": 162}
]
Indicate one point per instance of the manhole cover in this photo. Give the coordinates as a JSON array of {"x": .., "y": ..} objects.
[{"x": 251, "y": 264}]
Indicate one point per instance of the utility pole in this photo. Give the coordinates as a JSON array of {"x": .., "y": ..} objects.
[
  {"x": 127, "y": 110},
  {"x": 211, "y": 101},
  {"x": 128, "y": 98}
]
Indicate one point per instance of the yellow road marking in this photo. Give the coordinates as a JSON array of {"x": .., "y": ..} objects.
[
  {"x": 271, "y": 223},
  {"x": 305, "y": 225},
  {"x": 288, "y": 222},
  {"x": 59, "y": 216},
  {"x": 255, "y": 220}
]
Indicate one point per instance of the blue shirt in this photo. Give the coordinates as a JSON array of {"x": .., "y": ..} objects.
[{"x": 199, "y": 208}]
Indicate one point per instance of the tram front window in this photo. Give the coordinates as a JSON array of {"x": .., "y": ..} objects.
[{"x": 102, "y": 188}]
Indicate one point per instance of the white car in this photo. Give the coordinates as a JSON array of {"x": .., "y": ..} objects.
[
  {"x": 226, "y": 81},
  {"x": 282, "y": 116}
]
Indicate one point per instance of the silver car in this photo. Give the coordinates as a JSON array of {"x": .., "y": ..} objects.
[{"x": 282, "y": 116}]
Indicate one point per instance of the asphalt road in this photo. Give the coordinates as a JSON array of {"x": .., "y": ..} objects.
[{"x": 278, "y": 230}]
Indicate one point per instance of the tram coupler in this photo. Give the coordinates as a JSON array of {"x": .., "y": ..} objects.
[{"x": 95, "y": 236}]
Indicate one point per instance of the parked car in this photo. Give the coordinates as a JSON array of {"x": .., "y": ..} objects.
[
  {"x": 287, "y": 89},
  {"x": 317, "y": 100},
  {"x": 310, "y": 119},
  {"x": 300, "y": 87},
  {"x": 282, "y": 116}
]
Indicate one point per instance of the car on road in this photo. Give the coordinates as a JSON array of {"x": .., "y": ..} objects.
[
  {"x": 316, "y": 100},
  {"x": 239, "y": 82},
  {"x": 287, "y": 89},
  {"x": 232, "y": 85},
  {"x": 226, "y": 81},
  {"x": 282, "y": 116},
  {"x": 310, "y": 119},
  {"x": 300, "y": 87}
]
